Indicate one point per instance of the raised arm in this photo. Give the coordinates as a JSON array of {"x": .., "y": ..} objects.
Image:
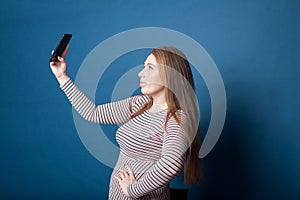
[
  {"x": 111, "y": 113},
  {"x": 117, "y": 112}
]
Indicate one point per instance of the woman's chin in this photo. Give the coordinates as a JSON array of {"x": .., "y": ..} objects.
[
  {"x": 152, "y": 89},
  {"x": 147, "y": 91},
  {"x": 144, "y": 91}
]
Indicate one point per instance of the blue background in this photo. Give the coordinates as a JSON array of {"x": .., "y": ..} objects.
[{"x": 255, "y": 45}]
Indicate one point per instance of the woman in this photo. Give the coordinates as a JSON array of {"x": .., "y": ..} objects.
[{"x": 159, "y": 133}]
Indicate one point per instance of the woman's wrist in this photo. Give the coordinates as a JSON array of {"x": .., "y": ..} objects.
[{"x": 63, "y": 79}]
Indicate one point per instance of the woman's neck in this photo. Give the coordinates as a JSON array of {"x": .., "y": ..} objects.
[{"x": 159, "y": 103}]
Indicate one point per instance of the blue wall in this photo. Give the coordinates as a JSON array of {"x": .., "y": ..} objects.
[{"x": 255, "y": 45}]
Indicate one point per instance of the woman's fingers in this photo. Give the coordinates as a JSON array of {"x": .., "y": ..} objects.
[
  {"x": 118, "y": 178},
  {"x": 61, "y": 59},
  {"x": 123, "y": 174},
  {"x": 130, "y": 172},
  {"x": 126, "y": 175}
]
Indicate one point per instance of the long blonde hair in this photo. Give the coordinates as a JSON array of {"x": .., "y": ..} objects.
[{"x": 180, "y": 95}]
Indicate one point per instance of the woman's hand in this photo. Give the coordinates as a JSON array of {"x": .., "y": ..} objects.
[
  {"x": 59, "y": 68},
  {"x": 125, "y": 179}
]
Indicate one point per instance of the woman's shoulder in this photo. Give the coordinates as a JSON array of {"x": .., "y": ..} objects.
[
  {"x": 139, "y": 101},
  {"x": 179, "y": 115},
  {"x": 176, "y": 120}
]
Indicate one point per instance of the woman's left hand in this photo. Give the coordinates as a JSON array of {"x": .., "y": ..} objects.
[{"x": 126, "y": 178}]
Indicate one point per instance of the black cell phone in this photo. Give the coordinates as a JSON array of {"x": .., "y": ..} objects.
[{"x": 61, "y": 47}]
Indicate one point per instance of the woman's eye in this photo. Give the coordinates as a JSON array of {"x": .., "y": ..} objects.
[{"x": 149, "y": 67}]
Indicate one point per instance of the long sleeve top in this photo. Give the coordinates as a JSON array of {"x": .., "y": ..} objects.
[{"x": 152, "y": 148}]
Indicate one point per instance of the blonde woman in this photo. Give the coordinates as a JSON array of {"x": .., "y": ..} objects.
[{"x": 158, "y": 136}]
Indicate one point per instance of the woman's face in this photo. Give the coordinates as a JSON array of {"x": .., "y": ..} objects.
[{"x": 150, "y": 80}]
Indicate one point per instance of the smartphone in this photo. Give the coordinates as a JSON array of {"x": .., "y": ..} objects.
[{"x": 60, "y": 47}]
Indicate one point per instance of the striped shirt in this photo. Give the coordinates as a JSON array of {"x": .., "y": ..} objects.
[{"x": 154, "y": 150}]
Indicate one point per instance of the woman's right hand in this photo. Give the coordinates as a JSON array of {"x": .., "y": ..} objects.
[{"x": 59, "y": 68}]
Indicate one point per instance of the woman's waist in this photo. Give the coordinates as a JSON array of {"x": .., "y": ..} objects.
[
  {"x": 143, "y": 157},
  {"x": 139, "y": 166}
]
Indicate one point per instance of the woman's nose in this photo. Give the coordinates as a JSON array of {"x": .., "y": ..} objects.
[{"x": 141, "y": 73}]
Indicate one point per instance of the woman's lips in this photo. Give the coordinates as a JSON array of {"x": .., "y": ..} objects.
[{"x": 142, "y": 83}]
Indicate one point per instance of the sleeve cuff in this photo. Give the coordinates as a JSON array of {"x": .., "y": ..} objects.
[{"x": 66, "y": 84}]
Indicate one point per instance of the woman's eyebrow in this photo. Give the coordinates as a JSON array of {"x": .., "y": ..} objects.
[{"x": 150, "y": 64}]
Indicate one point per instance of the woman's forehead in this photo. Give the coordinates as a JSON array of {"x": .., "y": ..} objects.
[{"x": 150, "y": 60}]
